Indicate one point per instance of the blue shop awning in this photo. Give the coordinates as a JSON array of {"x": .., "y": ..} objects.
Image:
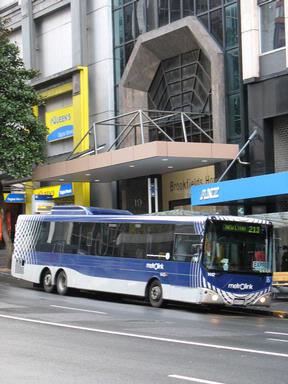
[{"x": 240, "y": 189}]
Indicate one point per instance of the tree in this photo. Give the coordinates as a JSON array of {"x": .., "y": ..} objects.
[{"x": 22, "y": 135}]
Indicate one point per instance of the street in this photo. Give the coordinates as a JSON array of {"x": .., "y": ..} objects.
[{"x": 82, "y": 339}]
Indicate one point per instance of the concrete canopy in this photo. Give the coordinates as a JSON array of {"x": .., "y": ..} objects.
[
  {"x": 173, "y": 39},
  {"x": 157, "y": 157}
]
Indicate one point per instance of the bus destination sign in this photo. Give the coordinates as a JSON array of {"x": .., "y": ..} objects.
[{"x": 240, "y": 228}]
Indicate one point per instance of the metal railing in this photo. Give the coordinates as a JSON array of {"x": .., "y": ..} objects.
[{"x": 142, "y": 120}]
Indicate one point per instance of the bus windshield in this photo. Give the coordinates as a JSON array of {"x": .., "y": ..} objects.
[{"x": 237, "y": 247}]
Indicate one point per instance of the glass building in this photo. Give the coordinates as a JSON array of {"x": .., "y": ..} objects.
[{"x": 181, "y": 89}]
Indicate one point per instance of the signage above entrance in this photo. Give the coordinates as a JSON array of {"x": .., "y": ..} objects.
[{"x": 240, "y": 189}]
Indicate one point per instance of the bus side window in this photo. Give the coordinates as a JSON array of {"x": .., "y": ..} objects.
[
  {"x": 109, "y": 234},
  {"x": 42, "y": 244},
  {"x": 186, "y": 247},
  {"x": 132, "y": 241},
  {"x": 160, "y": 239}
]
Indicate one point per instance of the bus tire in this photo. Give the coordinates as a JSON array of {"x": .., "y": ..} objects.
[
  {"x": 61, "y": 283},
  {"x": 155, "y": 294},
  {"x": 47, "y": 281}
]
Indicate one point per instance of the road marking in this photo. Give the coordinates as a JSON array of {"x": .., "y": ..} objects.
[
  {"x": 280, "y": 340},
  {"x": 277, "y": 333},
  {"x": 145, "y": 337},
  {"x": 194, "y": 379},
  {"x": 78, "y": 309}
]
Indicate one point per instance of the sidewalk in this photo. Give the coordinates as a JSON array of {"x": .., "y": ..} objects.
[{"x": 278, "y": 307}]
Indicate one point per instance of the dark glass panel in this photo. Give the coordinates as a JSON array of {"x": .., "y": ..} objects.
[
  {"x": 117, "y": 3},
  {"x": 204, "y": 20},
  {"x": 231, "y": 16},
  {"x": 188, "y": 7},
  {"x": 152, "y": 14},
  {"x": 201, "y": 6},
  {"x": 214, "y": 3},
  {"x": 119, "y": 63},
  {"x": 163, "y": 12},
  {"x": 140, "y": 18},
  {"x": 216, "y": 25},
  {"x": 174, "y": 62},
  {"x": 118, "y": 27},
  {"x": 188, "y": 84},
  {"x": 189, "y": 71},
  {"x": 128, "y": 51},
  {"x": 128, "y": 22},
  {"x": 232, "y": 62},
  {"x": 174, "y": 88},
  {"x": 234, "y": 127},
  {"x": 173, "y": 75},
  {"x": 187, "y": 97},
  {"x": 190, "y": 57},
  {"x": 175, "y": 10}
]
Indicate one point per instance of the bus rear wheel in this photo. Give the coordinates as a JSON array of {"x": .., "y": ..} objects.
[
  {"x": 48, "y": 281},
  {"x": 61, "y": 283},
  {"x": 155, "y": 294}
]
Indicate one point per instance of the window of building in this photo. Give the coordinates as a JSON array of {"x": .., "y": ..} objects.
[{"x": 272, "y": 25}]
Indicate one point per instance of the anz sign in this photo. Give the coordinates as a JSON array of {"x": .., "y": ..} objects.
[
  {"x": 205, "y": 194},
  {"x": 209, "y": 193},
  {"x": 240, "y": 189}
]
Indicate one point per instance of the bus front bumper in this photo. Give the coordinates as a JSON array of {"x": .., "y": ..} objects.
[{"x": 211, "y": 297}]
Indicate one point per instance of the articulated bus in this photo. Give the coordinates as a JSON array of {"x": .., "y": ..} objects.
[{"x": 219, "y": 260}]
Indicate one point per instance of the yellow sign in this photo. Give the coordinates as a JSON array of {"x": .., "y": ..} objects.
[
  {"x": 52, "y": 190},
  {"x": 60, "y": 123}
]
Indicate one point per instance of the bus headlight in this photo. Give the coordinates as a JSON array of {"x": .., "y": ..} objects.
[
  {"x": 215, "y": 297},
  {"x": 262, "y": 300}
]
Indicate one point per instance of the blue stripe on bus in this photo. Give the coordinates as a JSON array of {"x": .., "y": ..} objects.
[{"x": 168, "y": 272}]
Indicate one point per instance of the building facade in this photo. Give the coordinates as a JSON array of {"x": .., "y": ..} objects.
[{"x": 222, "y": 62}]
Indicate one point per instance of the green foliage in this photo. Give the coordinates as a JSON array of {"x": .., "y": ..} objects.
[{"x": 22, "y": 135}]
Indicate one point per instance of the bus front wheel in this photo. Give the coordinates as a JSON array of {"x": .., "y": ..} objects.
[
  {"x": 48, "y": 281},
  {"x": 61, "y": 283},
  {"x": 155, "y": 295}
]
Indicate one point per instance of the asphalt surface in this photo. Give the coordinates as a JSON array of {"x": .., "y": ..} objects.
[{"x": 89, "y": 338}]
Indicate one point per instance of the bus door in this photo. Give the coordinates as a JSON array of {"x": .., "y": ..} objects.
[{"x": 187, "y": 247}]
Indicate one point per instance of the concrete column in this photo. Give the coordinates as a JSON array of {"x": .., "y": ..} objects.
[
  {"x": 250, "y": 38},
  {"x": 28, "y": 34},
  {"x": 79, "y": 32}
]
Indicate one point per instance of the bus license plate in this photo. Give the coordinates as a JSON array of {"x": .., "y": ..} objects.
[{"x": 239, "y": 302}]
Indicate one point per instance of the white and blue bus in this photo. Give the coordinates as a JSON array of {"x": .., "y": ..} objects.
[{"x": 211, "y": 259}]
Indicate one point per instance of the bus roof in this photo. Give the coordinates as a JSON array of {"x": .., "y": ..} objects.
[
  {"x": 80, "y": 210},
  {"x": 95, "y": 214}
]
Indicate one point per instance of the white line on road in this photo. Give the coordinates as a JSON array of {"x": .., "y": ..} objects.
[
  {"x": 78, "y": 309},
  {"x": 194, "y": 379},
  {"x": 280, "y": 340},
  {"x": 277, "y": 333},
  {"x": 145, "y": 337}
]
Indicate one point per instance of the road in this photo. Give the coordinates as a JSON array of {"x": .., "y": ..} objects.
[{"x": 46, "y": 338}]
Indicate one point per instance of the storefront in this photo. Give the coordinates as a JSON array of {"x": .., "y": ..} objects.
[{"x": 14, "y": 206}]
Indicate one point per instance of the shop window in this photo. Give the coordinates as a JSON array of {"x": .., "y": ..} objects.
[{"x": 272, "y": 25}]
